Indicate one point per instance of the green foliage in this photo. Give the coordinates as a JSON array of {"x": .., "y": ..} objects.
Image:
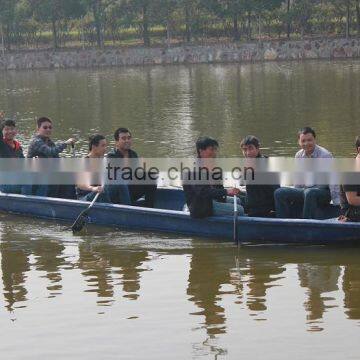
[{"x": 100, "y": 22}]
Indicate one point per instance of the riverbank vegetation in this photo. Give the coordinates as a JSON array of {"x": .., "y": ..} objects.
[{"x": 35, "y": 24}]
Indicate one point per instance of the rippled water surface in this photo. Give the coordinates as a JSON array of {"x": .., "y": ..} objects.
[
  {"x": 110, "y": 294},
  {"x": 167, "y": 108}
]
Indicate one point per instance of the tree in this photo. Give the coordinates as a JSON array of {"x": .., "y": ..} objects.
[
  {"x": 164, "y": 11},
  {"x": 189, "y": 9},
  {"x": 227, "y": 10},
  {"x": 357, "y": 7},
  {"x": 97, "y": 9},
  {"x": 54, "y": 11},
  {"x": 259, "y": 7},
  {"x": 344, "y": 9},
  {"x": 142, "y": 13},
  {"x": 233, "y": 10},
  {"x": 288, "y": 21},
  {"x": 300, "y": 14},
  {"x": 7, "y": 19}
]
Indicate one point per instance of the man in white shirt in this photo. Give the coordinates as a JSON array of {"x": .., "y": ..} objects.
[{"x": 310, "y": 197}]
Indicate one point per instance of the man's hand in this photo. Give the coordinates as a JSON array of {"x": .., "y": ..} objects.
[
  {"x": 98, "y": 189},
  {"x": 233, "y": 192},
  {"x": 343, "y": 219},
  {"x": 71, "y": 141}
]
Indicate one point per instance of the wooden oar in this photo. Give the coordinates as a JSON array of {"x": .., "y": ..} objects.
[
  {"x": 235, "y": 233},
  {"x": 82, "y": 218}
]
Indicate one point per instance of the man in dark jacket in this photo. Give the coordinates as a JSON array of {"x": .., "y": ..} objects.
[
  {"x": 209, "y": 199},
  {"x": 41, "y": 146},
  {"x": 259, "y": 199},
  {"x": 129, "y": 194}
]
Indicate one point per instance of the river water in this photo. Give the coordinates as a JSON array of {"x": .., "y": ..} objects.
[{"x": 125, "y": 295}]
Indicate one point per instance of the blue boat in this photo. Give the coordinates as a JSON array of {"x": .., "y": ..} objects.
[{"x": 168, "y": 217}]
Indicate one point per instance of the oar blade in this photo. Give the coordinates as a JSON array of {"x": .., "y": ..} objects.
[
  {"x": 79, "y": 223},
  {"x": 235, "y": 228},
  {"x": 82, "y": 218}
]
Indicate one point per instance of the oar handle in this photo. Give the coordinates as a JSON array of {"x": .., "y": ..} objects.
[
  {"x": 235, "y": 204},
  {"x": 235, "y": 234},
  {"x": 73, "y": 150},
  {"x": 94, "y": 201}
]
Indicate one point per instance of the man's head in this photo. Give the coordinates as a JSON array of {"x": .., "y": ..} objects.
[
  {"x": 307, "y": 140},
  {"x": 8, "y": 129},
  {"x": 44, "y": 127},
  {"x": 97, "y": 145},
  {"x": 123, "y": 139},
  {"x": 250, "y": 146},
  {"x": 357, "y": 144},
  {"x": 207, "y": 147}
]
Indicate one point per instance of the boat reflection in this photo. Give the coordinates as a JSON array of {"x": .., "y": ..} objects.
[{"x": 220, "y": 279}]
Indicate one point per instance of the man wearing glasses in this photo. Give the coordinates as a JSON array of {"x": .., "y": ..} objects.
[{"x": 41, "y": 146}]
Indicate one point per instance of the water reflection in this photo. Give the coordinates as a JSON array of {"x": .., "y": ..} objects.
[
  {"x": 351, "y": 288},
  {"x": 205, "y": 290},
  {"x": 97, "y": 273},
  {"x": 246, "y": 279},
  {"x": 259, "y": 278},
  {"x": 220, "y": 280},
  {"x": 20, "y": 256},
  {"x": 106, "y": 266},
  {"x": 318, "y": 280},
  {"x": 49, "y": 258},
  {"x": 14, "y": 266}
]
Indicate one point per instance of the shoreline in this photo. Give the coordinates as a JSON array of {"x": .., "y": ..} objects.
[{"x": 227, "y": 53}]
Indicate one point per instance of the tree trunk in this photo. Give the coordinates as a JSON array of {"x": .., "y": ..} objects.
[
  {"x": 168, "y": 32},
  {"x": 236, "y": 32},
  {"x": 187, "y": 21},
  {"x": 98, "y": 24},
  {"x": 2, "y": 40},
  {"x": 8, "y": 41},
  {"x": 347, "y": 19},
  {"x": 259, "y": 24},
  {"x": 288, "y": 27},
  {"x": 249, "y": 26},
  {"x": 358, "y": 16},
  {"x": 82, "y": 33},
  {"x": 55, "y": 34},
  {"x": 146, "y": 35}
]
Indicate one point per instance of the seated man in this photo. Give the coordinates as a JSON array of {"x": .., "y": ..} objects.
[
  {"x": 309, "y": 197},
  {"x": 10, "y": 148},
  {"x": 259, "y": 200},
  {"x": 87, "y": 192},
  {"x": 350, "y": 197},
  {"x": 210, "y": 199},
  {"x": 41, "y": 146},
  {"x": 131, "y": 193}
]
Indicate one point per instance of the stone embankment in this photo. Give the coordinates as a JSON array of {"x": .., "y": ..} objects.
[{"x": 225, "y": 53}]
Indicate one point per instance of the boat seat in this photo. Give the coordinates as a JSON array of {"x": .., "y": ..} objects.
[
  {"x": 170, "y": 199},
  {"x": 322, "y": 213}
]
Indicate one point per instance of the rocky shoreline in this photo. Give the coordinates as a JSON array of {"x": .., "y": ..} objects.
[{"x": 210, "y": 54}]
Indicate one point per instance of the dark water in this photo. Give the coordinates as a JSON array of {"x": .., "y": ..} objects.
[
  {"x": 167, "y": 108},
  {"x": 110, "y": 294}
]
